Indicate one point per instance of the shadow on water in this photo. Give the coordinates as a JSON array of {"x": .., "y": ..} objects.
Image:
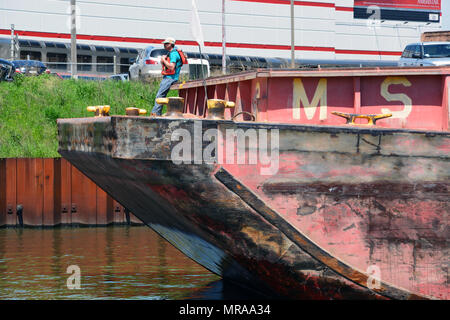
[
  {"x": 225, "y": 290},
  {"x": 115, "y": 263}
]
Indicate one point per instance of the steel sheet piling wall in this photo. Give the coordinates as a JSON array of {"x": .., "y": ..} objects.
[
  {"x": 53, "y": 192},
  {"x": 66, "y": 192},
  {"x": 10, "y": 191},
  {"x": 84, "y": 199},
  {"x": 2, "y": 192}
]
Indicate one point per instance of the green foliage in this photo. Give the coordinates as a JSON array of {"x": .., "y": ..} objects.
[{"x": 29, "y": 107}]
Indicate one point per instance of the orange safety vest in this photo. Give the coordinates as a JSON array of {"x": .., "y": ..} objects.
[{"x": 166, "y": 71}]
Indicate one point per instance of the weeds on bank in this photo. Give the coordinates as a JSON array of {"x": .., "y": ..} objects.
[{"x": 29, "y": 107}]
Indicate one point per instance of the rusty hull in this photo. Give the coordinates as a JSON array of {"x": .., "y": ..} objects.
[{"x": 342, "y": 200}]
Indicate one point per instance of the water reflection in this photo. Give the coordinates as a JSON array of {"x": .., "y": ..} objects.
[
  {"x": 115, "y": 263},
  {"x": 225, "y": 290}
]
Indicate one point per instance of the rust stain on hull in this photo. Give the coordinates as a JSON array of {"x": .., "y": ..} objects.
[
  {"x": 306, "y": 244},
  {"x": 278, "y": 246}
]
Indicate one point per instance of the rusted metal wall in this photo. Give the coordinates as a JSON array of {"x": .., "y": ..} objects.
[
  {"x": 369, "y": 197},
  {"x": 53, "y": 192},
  {"x": 416, "y": 98}
]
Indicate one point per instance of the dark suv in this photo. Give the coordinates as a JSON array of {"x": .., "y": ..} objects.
[
  {"x": 7, "y": 70},
  {"x": 30, "y": 67}
]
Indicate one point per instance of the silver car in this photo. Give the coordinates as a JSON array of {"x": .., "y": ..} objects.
[
  {"x": 119, "y": 77},
  {"x": 148, "y": 65},
  {"x": 426, "y": 54}
]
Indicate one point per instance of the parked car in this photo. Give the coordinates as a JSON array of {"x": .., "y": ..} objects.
[
  {"x": 30, "y": 67},
  {"x": 426, "y": 54},
  {"x": 7, "y": 70},
  {"x": 119, "y": 77},
  {"x": 148, "y": 65}
]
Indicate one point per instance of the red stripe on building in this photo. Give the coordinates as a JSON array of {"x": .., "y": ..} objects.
[
  {"x": 369, "y": 52},
  {"x": 349, "y": 9},
  {"x": 297, "y": 3},
  {"x": 267, "y": 46},
  {"x": 54, "y": 35},
  {"x": 302, "y": 3}
]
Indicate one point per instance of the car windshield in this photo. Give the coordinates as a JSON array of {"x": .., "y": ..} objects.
[{"x": 436, "y": 50}]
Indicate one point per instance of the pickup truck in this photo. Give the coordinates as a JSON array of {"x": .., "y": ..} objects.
[{"x": 424, "y": 54}]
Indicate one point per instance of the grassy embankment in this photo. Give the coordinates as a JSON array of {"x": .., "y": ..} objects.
[{"x": 29, "y": 107}]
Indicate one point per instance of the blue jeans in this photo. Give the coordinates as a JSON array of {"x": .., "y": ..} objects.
[{"x": 164, "y": 88}]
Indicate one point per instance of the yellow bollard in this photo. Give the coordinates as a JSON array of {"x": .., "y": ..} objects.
[
  {"x": 371, "y": 118},
  {"x": 135, "y": 111},
  {"x": 216, "y": 108},
  {"x": 175, "y": 106},
  {"x": 100, "y": 111},
  {"x": 162, "y": 100}
]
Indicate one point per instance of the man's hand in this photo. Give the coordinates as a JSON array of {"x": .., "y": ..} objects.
[{"x": 171, "y": 66}]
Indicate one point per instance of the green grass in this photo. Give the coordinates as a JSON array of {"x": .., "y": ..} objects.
[{"x": 29, "y": 107}]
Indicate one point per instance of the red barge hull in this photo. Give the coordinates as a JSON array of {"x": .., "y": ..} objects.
[{"x": 340, "y": 212}]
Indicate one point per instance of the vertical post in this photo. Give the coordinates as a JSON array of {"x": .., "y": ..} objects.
[
  {"x": 201, "y": 71},
  {"x": 115, "y": 64},
  {"x": 224, "y": 60},
  {"x": 13, "y": 55},
  {"x": 357, "y": 94},
  {"x": 445, "y": 103},
  {"x": 16, "y": 46},
  {"x": 73, "y": 38},
  {"x": 292, "y": 36}
]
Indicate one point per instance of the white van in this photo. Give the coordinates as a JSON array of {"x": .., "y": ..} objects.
[
  {"x": 426, "y": 54},
  {"x": 148, "y": 65}
]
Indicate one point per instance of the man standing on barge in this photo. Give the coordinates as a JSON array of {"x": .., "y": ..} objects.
[{"x": 171, "y": 64}]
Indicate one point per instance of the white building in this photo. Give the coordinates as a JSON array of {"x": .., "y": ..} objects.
[{"x": 324, "y": 29}]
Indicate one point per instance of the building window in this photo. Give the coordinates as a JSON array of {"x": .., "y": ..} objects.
[
  {"x": 124, "y": 65},
  {"x": 57, "y": 61},
  {"x": 85, "y": 62},
  {"x": 30, "y": 55},
  {"x": 105, "y": 64}
]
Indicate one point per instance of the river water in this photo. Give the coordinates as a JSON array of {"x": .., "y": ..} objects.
[{"x": 113, "y": 263}]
